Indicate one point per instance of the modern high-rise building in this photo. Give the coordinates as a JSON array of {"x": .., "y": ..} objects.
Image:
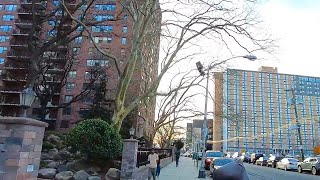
[
  {"x": 254, "y": 111},
  {"x": 113, "y": 34}
]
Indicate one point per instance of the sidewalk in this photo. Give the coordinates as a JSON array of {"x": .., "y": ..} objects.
[{"x": 185, "y": 171}]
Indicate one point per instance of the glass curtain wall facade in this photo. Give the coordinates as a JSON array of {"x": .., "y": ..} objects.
[{"x": 259, "y": 105}]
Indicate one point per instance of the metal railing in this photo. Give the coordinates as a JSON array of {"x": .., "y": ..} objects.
[{"x": 143, "y": 153}]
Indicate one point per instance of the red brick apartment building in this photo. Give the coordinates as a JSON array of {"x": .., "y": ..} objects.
[{"x": 15, "y": 16}]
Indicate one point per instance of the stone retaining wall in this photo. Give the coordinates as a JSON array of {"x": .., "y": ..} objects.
[{"x": 20, "y": 147}]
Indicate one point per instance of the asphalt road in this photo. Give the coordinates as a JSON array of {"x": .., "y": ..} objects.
[{"x": 267, "y": 173}]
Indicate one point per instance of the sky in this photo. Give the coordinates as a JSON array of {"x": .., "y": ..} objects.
[{"x": 294, "y": 23}]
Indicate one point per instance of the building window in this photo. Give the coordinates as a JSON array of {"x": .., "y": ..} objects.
[
  {"x": 125, "y": 17},
  {"x": 87, "y": 99},
  {"x": 104, "y": 17},
  {"x": 3, "y": 49},
  {"x": 56, "y": 2},
  {"x": 125, "y": 29},
  {"x": 66, "y": 111},
  {"x": 70, "y": 85},
  {"x": 1, "y": 6},
  {"x": 102, "y": 28},
  {"x": 4, "y": 38},
  {"x": 123, "y": 40},
  {"x": 105, "y": 7},
  {"x": 67, "y": 98},
  {"x": 96, "y": 62},
  {"x": 102, "y": 39},
  {"x": 123, "y": 51},
  {"x": 90, "y": 50},
  {"x": 87, "y": 75},
  {"x": 72, "y": 74},
  {"x": 5, "y": 28},
  {"x": 1, "y": 60},
  {"x": 78, "y": 40},
  {"x": 83, "y": 112},
  {"x": 64, "y": 124},
  {"x": 76, "y": 50},
  {"x": 8, "y": 17},
  {"x": 80, "y": 28},
  {"x": 11, "y": 7}
]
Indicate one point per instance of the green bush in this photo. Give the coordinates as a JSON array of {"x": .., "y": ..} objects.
[
  {"x": 46, "y": 145},
  {"x": 96, "y": 139}
]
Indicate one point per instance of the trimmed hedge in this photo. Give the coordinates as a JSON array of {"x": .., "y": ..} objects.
[{"x": 96, "y": 139}]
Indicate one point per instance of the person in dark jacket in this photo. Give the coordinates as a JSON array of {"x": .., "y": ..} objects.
[
  {"x": 177, "y": 157},
  {"x": 158, "y": 168}
]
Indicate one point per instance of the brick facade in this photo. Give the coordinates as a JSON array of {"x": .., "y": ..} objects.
[
  {"x": 20, "y": 148},
  {"x": 59, "y": 119}
]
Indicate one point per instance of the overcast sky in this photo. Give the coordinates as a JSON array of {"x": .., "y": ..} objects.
[{"x": 295, "y": 23}]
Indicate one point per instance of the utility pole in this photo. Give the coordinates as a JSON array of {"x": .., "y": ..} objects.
[{"x": 294, "y": 102}]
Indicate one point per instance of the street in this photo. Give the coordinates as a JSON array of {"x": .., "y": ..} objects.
[{"x": 266, "y": 173}]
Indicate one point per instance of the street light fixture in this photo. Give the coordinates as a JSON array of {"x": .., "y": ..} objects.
[
  {"x": 202, "y": 171},
  {"x": 131, "y": 132},
  {"x": 26, "y": 99}
]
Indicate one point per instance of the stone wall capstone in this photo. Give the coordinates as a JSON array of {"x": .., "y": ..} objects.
[{"x": 20, "y": 147}]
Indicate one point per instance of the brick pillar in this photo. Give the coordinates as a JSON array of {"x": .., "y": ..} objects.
[
  {"x": 20, "y": 147},
  {"x": 129, "y": 159}
]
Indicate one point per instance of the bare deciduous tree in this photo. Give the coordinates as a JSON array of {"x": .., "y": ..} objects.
[{"x": 185, "y": 23}]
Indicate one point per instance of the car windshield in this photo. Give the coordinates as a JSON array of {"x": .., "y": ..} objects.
[
  {"x": 293, "y": 160},
  {"x": 221, "y": 162},
  {"x": 214, "y": 154}
]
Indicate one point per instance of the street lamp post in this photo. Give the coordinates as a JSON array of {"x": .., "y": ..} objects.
[
  {"x": 26, "y": 99},
  {"x": 202, "y": 171},
  {"x": 294, "y": 103},
  {"x": 131, "y": 132}
]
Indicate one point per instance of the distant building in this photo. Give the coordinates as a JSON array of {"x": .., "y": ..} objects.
[
  {"x": 262, "y": 105},
  {"x": 194, "y": 133}
]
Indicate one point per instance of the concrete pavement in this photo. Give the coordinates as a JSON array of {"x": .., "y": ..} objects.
[
  {"x": 185, "y": 171},
  {"x": 267, "y": 173}
]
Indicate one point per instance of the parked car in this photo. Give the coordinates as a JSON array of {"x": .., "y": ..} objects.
[
  {"x": 272, "y": 161},
  {"x": 255, "y": 157},
  {"x": 287, "y": 164},
  {"x": 310, "y": 164},
  {"x": 210, "y": 155},
  {"x": 187, "y": 154},
  {"x": 262, "y": 161},
  {"x": 218, "y": 162},
  {"x": 245, "y": 158}
]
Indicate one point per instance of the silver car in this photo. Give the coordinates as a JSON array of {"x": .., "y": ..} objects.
[{"x": 288, "y": 164}]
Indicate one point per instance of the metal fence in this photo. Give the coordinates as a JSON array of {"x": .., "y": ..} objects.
[{"x": 143, "y": 153}]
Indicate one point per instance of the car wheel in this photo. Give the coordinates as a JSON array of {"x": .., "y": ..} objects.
[
  {"x": 285, "y": 168},
  {"x": 314, "y": 171},
  {"x": 299, "y": 169}
]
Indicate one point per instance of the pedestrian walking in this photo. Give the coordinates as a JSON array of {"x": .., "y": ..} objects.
[
  {"x": 153, "y": 158},
  {"x": 177, "y": 157},
  {"x": 158, "y": 168}
]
